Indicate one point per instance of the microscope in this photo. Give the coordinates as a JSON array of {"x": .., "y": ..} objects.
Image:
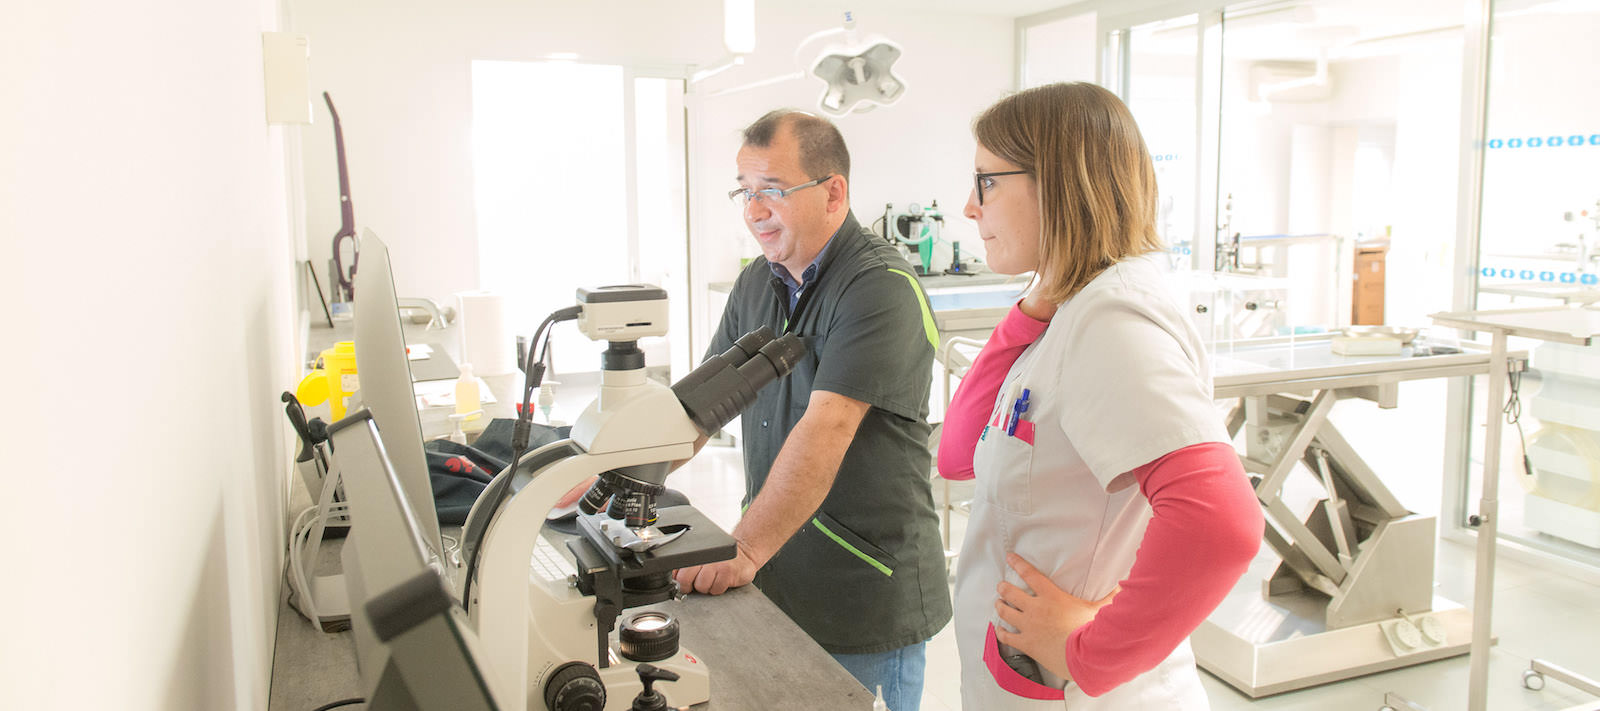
[{"x": 554, "y": 635}]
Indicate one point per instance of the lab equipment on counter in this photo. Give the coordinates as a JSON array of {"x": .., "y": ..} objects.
[
  {"x": 914, "y": 228},
  {"x": 1585, "y": 249},
  {"x": 1227, "y": 247},
  {"x": 1566, "y": 268},
  {"x": 1372, "y": 340},
  {"x": 467, "y": 404},
  {"x": 1228, "y": 307}
]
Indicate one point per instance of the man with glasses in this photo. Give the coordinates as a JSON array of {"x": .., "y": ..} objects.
[{"x": 839, "y": 529}]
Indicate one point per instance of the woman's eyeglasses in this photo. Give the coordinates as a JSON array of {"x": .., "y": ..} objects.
[{"x": 986, "y": 180}]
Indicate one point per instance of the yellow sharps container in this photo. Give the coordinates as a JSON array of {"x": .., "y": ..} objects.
[{"x": 335, "y": 378}]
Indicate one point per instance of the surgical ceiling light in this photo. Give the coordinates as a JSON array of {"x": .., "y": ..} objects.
[{"x": 857, "y": 73}]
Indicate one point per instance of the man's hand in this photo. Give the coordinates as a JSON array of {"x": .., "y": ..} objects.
[
  {"x": 1043, "y": 619},
  {"x": 716, "y": 578}
]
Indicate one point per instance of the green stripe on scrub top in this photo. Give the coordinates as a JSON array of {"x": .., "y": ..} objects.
[
  {"x": 927, "y": 315},
  {"x": 836, "y": 539}
]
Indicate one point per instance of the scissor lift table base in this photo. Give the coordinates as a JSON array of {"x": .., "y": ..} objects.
[{"x": 1263, "y": 647}]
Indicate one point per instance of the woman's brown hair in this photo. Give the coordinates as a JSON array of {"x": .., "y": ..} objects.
[{"x": 1096, "y": 182}]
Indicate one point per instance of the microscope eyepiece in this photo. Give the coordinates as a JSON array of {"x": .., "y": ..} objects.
[{"x": 714, "y": 393}]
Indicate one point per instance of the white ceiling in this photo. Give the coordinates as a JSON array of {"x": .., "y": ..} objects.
[
  {"x": 1004, "y": 8},
  {"x": 1303, "y": 30},
  {"x": 1306, "y": 29}
]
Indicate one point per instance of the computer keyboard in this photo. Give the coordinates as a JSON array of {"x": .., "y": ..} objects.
[{"x": 549, "y": 564}]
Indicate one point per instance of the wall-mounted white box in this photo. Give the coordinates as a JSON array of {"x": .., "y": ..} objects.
[{"x": 286, "y": 59}]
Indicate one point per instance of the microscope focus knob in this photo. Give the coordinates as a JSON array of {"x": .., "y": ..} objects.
[{"x": 575, "y": 687}]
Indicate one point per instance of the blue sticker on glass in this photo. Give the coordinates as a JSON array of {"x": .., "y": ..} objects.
[
  {"x": 1496, "y": 143},
  {"x": 1555, "y": 141},
  {"x": 1525, "y": 274},
  {"x": 1588, "y": 279},
  {"x": 1547, "y": 276},
  {"x": 1535, "y": 142},
  {"x": 1487, "y": 271},
  {"x": 1594, "y": 139},
  {"x": 1568, "y": 277},
  {"x": 1514, "y": 143},
  {"x": 1575, "y": 140},
  {"x": 1507, "y": 273},
  {"x": 1186, "y": 250}
]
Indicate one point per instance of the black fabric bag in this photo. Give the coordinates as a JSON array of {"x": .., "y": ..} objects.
[{"x": 460, "y": 472}]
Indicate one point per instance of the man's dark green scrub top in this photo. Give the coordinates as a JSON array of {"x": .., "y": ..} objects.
[{"x": 866, "y": 573}]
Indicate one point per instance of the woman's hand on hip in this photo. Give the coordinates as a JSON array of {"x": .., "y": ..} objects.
[{"x": 1044, "y": 618}]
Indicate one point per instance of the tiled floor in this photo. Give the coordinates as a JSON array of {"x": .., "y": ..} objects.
[{"x": 1537, "y": 612}]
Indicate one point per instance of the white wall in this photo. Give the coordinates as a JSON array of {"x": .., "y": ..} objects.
[
  {"x": 147, "y": 276},
  {"x": 400, "y": 77}
]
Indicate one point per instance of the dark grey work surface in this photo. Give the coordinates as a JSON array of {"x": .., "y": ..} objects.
[
  {"x": 437, "y": 366},
  {"x": 759, "y": 659}
]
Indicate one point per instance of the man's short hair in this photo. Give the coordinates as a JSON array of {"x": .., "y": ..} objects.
[{"x": 822, "y": 150}]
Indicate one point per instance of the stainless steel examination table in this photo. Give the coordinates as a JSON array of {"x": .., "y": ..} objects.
[{"x": 1352, "y": 591}]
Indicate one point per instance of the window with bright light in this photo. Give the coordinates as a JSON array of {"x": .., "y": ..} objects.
[{"x": 556, "y": 207}]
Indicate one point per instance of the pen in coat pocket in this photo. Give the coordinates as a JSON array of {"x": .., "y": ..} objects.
[{"x": 1019, "y": 407}]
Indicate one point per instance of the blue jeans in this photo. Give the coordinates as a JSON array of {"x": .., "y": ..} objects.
[{"x": 898, "y": 671}]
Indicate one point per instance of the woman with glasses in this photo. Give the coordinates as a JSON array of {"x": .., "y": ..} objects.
[{"x": 1111, "y": 514}]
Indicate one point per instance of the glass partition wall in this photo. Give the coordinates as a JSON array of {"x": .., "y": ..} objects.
[
  {"x": 1320, "y": 166},
  {"x": 1279, "y": 131},
  {"x": 1539, "y": 222}
]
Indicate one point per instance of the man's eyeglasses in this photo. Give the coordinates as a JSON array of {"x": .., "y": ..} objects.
[
  {"x": 743, "y": 196},
  {"x": 986, "y": 180}
]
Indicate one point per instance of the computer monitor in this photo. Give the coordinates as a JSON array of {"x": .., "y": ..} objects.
[
  {"x": 385, "y": 375},
  {"x": 414, "y": 648}
]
